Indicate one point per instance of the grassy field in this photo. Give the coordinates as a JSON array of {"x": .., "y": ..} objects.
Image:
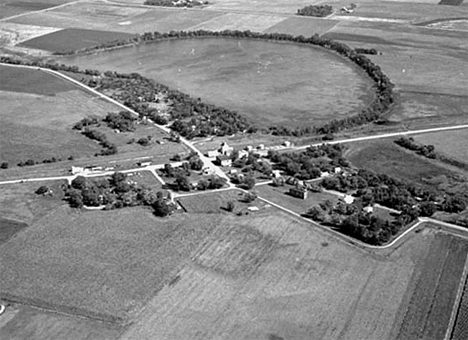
[
  {"x": 18, "y": 202},
  {"x": 438, "y": 278},
  {"x": 103, "y": 265},
  {"x": 460, "y": 330},
  {"x": 279, "y": 195},
  {"x": 216, "y": 202},
  {"x": 384, "y": 156},
  {"x": 239, "y": 21},
  {"x": 243, "y": 75},
  {"x": 265, "y": 276},
  {"x": 25, "y": 323},
  {"x": 273, "y": 6},
  {"x": 451, "y": 144},
  {"x": 73, "y": 39},
  {"x": 39, "y": 110}
]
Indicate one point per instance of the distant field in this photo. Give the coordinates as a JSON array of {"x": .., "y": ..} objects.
[
  {"x": 453, "y": 144},
  {"x": 262, "y": 277},
  {"x": 103, "y": 265},
  {"x": 273, "y": 6},
  {"x": 432, "y": 300},
  {"x": 243, "y": 75},
  {"x": 460, "y": 330},
  {"x": 302, "y": 26},
  {"x": 73, "y": 39},
  {"x": 14, "y": 7},
  {"x": 241, "y": 22}
]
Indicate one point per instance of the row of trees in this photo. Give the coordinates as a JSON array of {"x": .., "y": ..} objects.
[
  {"x": 424, "y": 150},
  {"x": 108, "y": 147}
]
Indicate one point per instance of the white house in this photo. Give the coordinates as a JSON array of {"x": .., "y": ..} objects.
[{"x": 225, "y": 149}]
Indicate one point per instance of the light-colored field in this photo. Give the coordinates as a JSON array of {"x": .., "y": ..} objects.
[
  {"x": 17, "y": 7},
  {"x": 98, "y": 264},
  {"x": 302, "y": 26},
  {"x": 261, "y": 6},
  {"x": 267, "y": 82},
  {"x": 11, "y": 33},
  {"x": 241, "y": 22},
  {"x": 272, "y": 277},
  {"x": 461, "y": 25},
  {"x": 452, "y": 144}
]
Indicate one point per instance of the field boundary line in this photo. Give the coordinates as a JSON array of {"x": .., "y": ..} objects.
[{"x": 456, "y": 303}]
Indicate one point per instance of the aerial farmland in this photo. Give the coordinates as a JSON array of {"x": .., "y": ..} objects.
[{"x": 233, "y": 170}]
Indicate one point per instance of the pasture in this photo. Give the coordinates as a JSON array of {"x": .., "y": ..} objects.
[
  {"x": 384, "y": 156},
  {"x": 460, "y": 330},
  {"x": 265, "y": 276},
  {"x": 302, "y": 26},
  {"x": 243, "y": 75},
  {"x": 10, "y": 8},
  {"x": 239, "y": 21},
  {"x": 73, "y": 39},
  {"x": 38, "y": 113},
  {"x": 452, "y": 144},
  {"x": 8, "y": 228},
  {"x": 102, "y": 265}
]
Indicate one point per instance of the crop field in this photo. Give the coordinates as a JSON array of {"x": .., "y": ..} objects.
[
  {"x": 103, "y": 265},
  {"x": 73, "y": 39},
  {"x": 243, "y": 75},
  {"x": 386, "y": 157},
  {"x": 265, "y": 276},
  {"x": 18, "y": 202},
  {"x": 12, "y": 34},
  {"x": 15, "y": 7},
  {"x": 460, "y": 330},
  {"x": 241, "y": 22},
  {"x": 279, "y": 195},
  {"x": 302, "y": 26},
  {"x": 273, "y": 6},
  {"x": 451, "y": 144},
  {"x": 25, "y": 323},
  {"x": 432, "y": 300},
  {"x": 38, "y": 113}
]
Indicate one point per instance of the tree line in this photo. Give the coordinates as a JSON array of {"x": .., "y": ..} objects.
[{"x": 315, "y": 11}]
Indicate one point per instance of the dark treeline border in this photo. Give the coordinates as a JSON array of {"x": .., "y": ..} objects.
[{"x": 383, "y": 99}]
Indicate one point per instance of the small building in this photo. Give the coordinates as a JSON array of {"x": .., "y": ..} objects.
[
  {"x": 212, "y": 153},
  {"x": 369, "y": 209},
  {"x": 253, "y": 208},
  {"x": 144, "y": 163},
  {"x": 249, "y": 148},
  {"x": 225, "y": 149},
  {"x": 348, "y": 199},
  {"x": 77, "y": 169},
  {"x": 224, "y": 160},
  {"x": 337, "y": 170},
  {"x": 287, "y": 143},
  {"x": 324, "y": 174},
  {"x": 276, "y": 173},
  {"x": 233, "y": 171},
  {"x": 261, "y": 147},
  {"x": 243, "y": 153},
  {"x": 298, "y": 192}
]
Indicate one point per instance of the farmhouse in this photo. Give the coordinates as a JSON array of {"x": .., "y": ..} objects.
[
  {"x": 224, "y": 160},
  {"x": 212, "y": 153},
  {"x": 225, "y": 149},
  {"x": 299, "y": 192},
  {"x": 144, "y": 163},
  {"x": 242, "y": 154}
]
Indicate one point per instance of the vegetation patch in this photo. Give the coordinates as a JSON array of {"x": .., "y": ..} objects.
[
  {"x": 177, "y": 3},
  {"x": 72, "y": 39},
  {"x": 316, "y": 11},
  {"x": 8, "y": 228}
]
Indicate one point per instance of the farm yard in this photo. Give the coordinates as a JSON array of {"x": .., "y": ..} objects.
[{"x": 242, "y": 75}]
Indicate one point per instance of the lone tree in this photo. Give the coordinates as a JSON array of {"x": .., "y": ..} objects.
[
  {"x": 231, "y": 205},
  {"x": 4, "y": 165},
  {"x": 42, "y": 190}
]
